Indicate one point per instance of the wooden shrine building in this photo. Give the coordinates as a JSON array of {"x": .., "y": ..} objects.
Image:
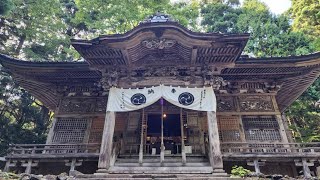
[{"x": 248, "y": 127}]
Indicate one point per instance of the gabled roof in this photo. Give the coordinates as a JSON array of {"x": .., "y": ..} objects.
[{"x": 160, "y": 34}]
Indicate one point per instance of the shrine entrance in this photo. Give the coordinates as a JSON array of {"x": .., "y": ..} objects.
[
  {"x": 171, "y": 134},
  {"x": 162, "y": 127}
]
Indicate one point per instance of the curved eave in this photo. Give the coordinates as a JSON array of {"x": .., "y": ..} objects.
[
  {"x": 41, "y": 79},
  {"x": 299, "y": 73},
  {"x": 303, "y": 60},
  {"x": 292, "y": 88},
  {"x": 6, "y": 60},
  {"x": 159, "y": 26}
]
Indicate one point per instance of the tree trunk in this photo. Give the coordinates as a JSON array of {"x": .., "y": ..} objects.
[{"x": 20, "y": 44}]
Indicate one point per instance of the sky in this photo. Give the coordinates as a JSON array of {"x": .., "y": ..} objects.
[{"x": 277, "y": 6}]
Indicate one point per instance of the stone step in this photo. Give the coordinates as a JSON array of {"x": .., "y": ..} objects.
[
  {"x": 157, "y": 155},
  {"x": 101, "y": 176},
  {"x": 157, "y": 159},
  {"x": 165, "y": 164},
  {"x": 160, "y": 170}
]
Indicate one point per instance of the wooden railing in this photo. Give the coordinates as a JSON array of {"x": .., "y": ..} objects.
[
  {"x": 269, "y": 148},
  {"x": 226, "y": 148},
  {"x": 45, "y": 149}
]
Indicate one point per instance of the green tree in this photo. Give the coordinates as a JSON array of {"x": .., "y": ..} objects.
[
  {"x": 33, "y": 30},
  {"x": 5, "y": 6},
  {"x": 306, "y": 16},
  {"x": 304, "y": 114},
  {"x": 306, "y": 19},
  {"x": 220, "y": 17},
  {"x": 121, "y": 16},
  {"x": 23, "y": 119},
  {"x": 270, "y": 35}
]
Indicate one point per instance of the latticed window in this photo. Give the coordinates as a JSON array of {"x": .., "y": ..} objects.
[
  {"x": 96, "y": 130},
  {"x": 261, "y": 128},
  {"x": 70, "y": 130},
  {"x": 229, "y": 128}
]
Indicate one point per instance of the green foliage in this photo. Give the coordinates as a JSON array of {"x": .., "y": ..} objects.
[
  {"x": 270, "y": 35},
  {"x": 5, "y": 6},
  {"x": 8, "y": 176},
  {"x": 304, "y": 115},
  {"x": 220, "y": 17},
  {"x": 23, "y": 119},
  {"x": 239, "y": 171},
  {"x": 121, "y": 16},
  {"x": 306, "y": 16}
]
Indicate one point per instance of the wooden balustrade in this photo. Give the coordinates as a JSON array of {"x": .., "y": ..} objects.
[
  {"x": 226, "y": 148},
  {"x": 44, "y": 149},
  {"x": 269, "y": 148}
]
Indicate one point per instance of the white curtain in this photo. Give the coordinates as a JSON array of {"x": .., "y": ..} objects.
[{"x": 200, "y": 99}]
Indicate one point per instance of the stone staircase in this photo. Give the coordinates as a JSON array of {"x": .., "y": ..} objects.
[{"x": 127, "y": 167}]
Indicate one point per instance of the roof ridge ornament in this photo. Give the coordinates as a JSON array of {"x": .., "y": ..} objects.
[{"x": 158, "y": 17}]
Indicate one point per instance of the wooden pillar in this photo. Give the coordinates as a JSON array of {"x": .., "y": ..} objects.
[
  {"x": 73, "y": 164},
  {"x": 9, "y": 164},
  {"x": 51, "y": 131},
  {"x": 306, "y": 170},
  {"x": 141, "y": 139},
  {"x": 183, "y": 150},
  {"x": 162, "y": 144},
  {"x": 287, "y": 129},
  {"x": 106, "y": 144},
  {"x": 282, "y": 130},
  {"x": 214, "y": 143},
  {"x": 305, "y": 166},
  {"x": 29, "y": 164},
  {"x": 28, "y": 168},
  {"x": 256, "y": 166}
]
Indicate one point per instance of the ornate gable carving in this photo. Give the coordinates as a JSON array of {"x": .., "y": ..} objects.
[
  {"x": 256, "y": 103},
  {"x": 82, "y": 105}
]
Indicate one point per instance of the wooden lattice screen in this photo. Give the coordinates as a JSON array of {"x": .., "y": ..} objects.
[
  {"x": 121, "y": 122},
  {"x": 261, "y": 128},
  {"x": 229, "y": 128},
  {"x": 96, "y": 130},
  {"x": 132, "y": 135},
  {"x": 70, "y": 130}
]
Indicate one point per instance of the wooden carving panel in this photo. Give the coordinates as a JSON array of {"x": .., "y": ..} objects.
[
  {"x": 225, "y": 103},
  {"x": 256, "y": 103},
  {"x": 96, "y": 130},
  {"x": 229, "y": 128},
  {"x": 82, "y": 105}
]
